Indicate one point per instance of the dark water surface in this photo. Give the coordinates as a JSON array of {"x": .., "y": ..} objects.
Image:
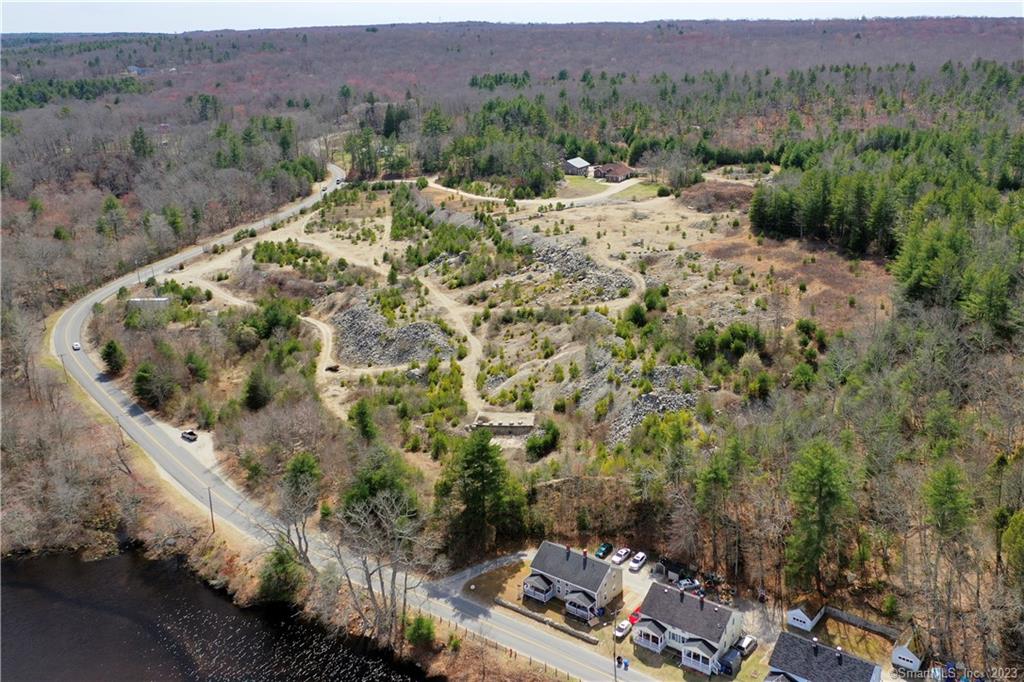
[{"x": 128, "y": 618}]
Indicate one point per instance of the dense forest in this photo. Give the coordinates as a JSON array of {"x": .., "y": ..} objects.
[{"x": 882, "y": 463}]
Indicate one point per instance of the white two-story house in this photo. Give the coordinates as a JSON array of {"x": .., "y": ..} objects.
[
  {"x": 796, "y": 659},
  {"x": 585, "y": 584},
  {"x": 699, "y": 631}
]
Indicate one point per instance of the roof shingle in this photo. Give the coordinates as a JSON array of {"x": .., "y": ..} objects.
[
  {"x": 796, "y": 655},
  {"x": 570, "y": 566},
  {"x": 679, "y": 610}
]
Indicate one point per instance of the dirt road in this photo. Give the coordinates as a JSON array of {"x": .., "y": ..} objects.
[{"x": 600, "y": 197}]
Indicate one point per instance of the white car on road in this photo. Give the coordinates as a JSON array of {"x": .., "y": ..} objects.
[
  {"x": 76, "y": 346},
  {"x": 621, "y": 556},
  {"x": 637, "y": 562}
]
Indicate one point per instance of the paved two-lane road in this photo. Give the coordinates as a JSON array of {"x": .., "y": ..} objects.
[{"x": 203, "y": 483}]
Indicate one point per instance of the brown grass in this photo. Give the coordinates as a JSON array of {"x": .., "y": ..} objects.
[
  {"x": 831, "y": 280},
  {"x": 713, "y": 196}
]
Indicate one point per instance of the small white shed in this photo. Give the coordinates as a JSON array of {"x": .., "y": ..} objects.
[
  {"x": 806, "y": 613},
  {"x": 910, "y": 650}
]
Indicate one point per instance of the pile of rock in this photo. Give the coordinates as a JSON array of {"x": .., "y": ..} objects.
[
  {"x": 668, "y": 377},
  {"x": 579, "y": 269},
  {"x": 574, "y": 265},
  {"x": 364, "y": 338},
  {"x": 656, "y": 402}
]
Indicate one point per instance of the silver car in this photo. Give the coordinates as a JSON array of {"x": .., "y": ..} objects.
[{"x": 747, "y": 644}]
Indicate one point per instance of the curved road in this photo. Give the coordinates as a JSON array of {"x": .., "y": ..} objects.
[{"x": 202, "y": 483}]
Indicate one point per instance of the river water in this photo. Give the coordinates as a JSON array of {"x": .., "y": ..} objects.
[{"x": 128, "y": 618}]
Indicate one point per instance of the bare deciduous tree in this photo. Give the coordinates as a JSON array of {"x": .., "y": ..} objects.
[{"x": 384, "y": 551}]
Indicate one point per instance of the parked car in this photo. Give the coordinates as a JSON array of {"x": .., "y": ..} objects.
[
  {"x": 688, "y": 584},
  {"x": 76, "y": 346},
  {"x": 747, "y": 644},
  {"x": 190, "y": 436},
  {"x": 730, "y": 662},
  {"x": 637, "y": 562},
  {"x": 604, "y": 550},
  {"x": 635, "y": 616},
  {"x": 338, "y": 181},
  {"x": 622, "y": 629},
  {"x": 621, "y": 555}
]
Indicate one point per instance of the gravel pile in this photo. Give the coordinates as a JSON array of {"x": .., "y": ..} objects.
[
  {"x": 667, "y": 377},
  {"x": 594, "y": 322},
  {"x": 580, "y": 270},
  {"x": 576, "y": 267},
  {"x": 649, "y": 403},
  {"x": 364, "y": 338}
]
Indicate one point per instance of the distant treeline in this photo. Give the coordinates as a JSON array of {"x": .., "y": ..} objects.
[{"x": 21, "y": 96}]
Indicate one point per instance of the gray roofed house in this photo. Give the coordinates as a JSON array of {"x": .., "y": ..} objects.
[
  {"x": 670, "y": 605},
  {"x": 699, "y": 631},
  {"x": 575, "y": 567},
  {"x": 585, "y": 583},
  {"x": 805, "y": 660}
]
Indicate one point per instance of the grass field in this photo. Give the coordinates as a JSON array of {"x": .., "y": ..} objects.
[
  {"x": 640, "y": 192},
  {"x": 577, "y": 186}
]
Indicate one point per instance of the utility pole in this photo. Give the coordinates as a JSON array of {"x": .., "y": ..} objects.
[
  {"x": 615, "y": 659},
  {"x": 120, "y": 430},
  {"x": 65, "y": 366},
  {"x": 209, "y": 496}
]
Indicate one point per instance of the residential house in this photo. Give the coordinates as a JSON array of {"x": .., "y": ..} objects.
[
  {"x": 614, "y": 172},
  {"x": 576, "y": 166},
  {"x": 698, "y": 630},
  {"x": 806, "y": 613},
  {"x": 584, "y": 583},
  {"x": 910, "y": 650},
  {"x": 798, "y": 659}
]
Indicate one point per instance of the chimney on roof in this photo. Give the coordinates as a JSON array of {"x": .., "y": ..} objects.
[
  {"x": 702, "y": 602},
  {"x": 814, "y": 645},
  {"x": 839, "y": 655}
]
